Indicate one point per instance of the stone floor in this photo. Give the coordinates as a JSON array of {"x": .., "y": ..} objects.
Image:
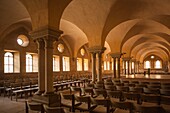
[{"x": 8, "y": 106}]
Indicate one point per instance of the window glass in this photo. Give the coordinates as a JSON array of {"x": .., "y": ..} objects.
[
  {"x": 56, "y": 63},
  {"x": 147, "y": 64},
  {"x": 66, "y": 63},
  {"x": 29, "y": 63},
  {"x": 79, "y": 64},
  {"x": 86, "y": 65},
  {"x": 8, "y": 62},
  {"x": 158, "y": 64}
]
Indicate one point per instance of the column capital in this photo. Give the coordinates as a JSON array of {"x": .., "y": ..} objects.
[
  {"x": 97, "y": 49},
  {"x": 127, "y": 58},
  {"x": 133, "y": 60},
  {"x": 46, "y": 32},
  {"x": 40, "y": 43},
  {"x": 116, "y": 55}
]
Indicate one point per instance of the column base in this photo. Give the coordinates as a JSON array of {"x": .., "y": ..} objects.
[
  {"x": 50, "y": 99},
  {"x": 39, "y": 92}
]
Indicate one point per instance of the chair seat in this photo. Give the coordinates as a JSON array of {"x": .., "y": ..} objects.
[
  {"x": 35, "y": 106},
  {"x": 82, "y": 106},
  {"x": 166, "y": 108},
  {"x": 118, "y": 110},
  {"x": 149, "y": 104},
  {"x": 99, "y": 109}
]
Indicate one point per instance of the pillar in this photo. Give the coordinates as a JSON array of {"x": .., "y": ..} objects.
[
  {"x": 48, "y": 65},
  {"x": 93, "y": 67},
  {"x": 97, "y": 50},
  {"x": 99, "y": 76},
  {"x": 114, "y": 67},
  {"x": 118, "y": 65},
  {"x": 124, "y": 67},
  {"x": 128, "y": 65},
  {"x": 41, "y": 66}
]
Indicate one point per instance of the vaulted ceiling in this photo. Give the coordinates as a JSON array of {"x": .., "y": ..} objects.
[{"x": 137, "y": 27}]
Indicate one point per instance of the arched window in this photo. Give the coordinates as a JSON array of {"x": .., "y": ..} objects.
[
  {"x": 8, "y": 62},
  {"x": 158, "y": 64},
  {"x": 66, "y": 63},
  {"x": 147, "y": 64},
  {"x": 79, "y": 64},
  {"x": 86, "y": 65},
  {"x": 29, "y": 63},
  {"x": 56, "y": 63}
]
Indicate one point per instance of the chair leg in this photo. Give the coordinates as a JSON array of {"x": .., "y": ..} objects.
[{"x": 26, "y": 107}]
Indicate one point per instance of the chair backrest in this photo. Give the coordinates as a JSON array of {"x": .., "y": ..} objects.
[
  {"x": 103, "y": 102},
  {"x": 165, "y": 92},
  {"x": 132, "y": 96},
  {"x": 151, "y": 91},
  {"x": 110, "y": 87},
  {"x": 84, "y": 99},
  {"x": 149, "y": 109},
  {"x": 48, "y": 109},
  {"x": 122, "y": 88},
  {"x": 136, "y": 89},
  {"x": 76, "y": 90},
  {"x": 150, "y": 98},
  {"x": 115, "y": 94},
  {"x": 31, "y": 105},
  {"x": 123, "y": 105},
  {"x": 99, "y": 92},
  {"x": 87, "y": 91}
]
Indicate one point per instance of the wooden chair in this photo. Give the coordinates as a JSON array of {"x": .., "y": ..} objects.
[
  {"x": 100, "y": 93},
  {"x": 75, "y": 90},
  {"x": 123, "y": 107},
  {"x": 165, "y": 103},
  {"x": 110, "y": 87},
  {"x": 151, "y": 91},
  {"x": 165, "y": 92},
  {"x": 150, "y": 99},
  {"x": 67, "y": 100},
  {"x": 115, "y": 95},
  {"x": 149, "y": 109},
  {"x": 122, "y": 88},
  {"x": 84, "y": 103},
  {"x": 131, "y": 97},
  {"x": 100, "y": 105},
  {"x": 87, "y": 91},
  {"x": 34, "y": 106},
  {"x": 48, "y": 109},
  {"x": 136, "y": 89}
]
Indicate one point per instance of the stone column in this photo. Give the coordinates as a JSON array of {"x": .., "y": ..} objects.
[
  {"x": 128, "y": 65},
  {"x": 1, "y": 60},
  {"x": 124, "y": 67},
  {"x": 48, "y": 65},
  {"x": 114, "y": 67},
  {"x": 99, "y": 76},
  {"x": 93, "y": 67},
  {"x": 97, "y": 50},
  {"x": 41, "y": 66},
  {"x": 118, "y": 65}
]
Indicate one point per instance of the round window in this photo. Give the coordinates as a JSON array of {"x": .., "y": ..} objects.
[
  {"x": 60, "y": 48},
  {"x": 22, "y": 40},
  {"x": 82, "y": 51}
]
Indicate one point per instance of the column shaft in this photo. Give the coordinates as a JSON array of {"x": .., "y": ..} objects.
[
  {"x": 41, "y": 66},
  {"x": 99, "y": 77},
  {"x": 118, "y": 67},
  {"x": 93, "y": 67},
  {"x": 114, "y": 67},
  {"x": 48, "y": 66}
]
